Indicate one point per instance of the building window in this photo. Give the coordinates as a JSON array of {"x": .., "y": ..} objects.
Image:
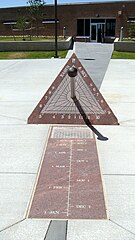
[
  {"x": 83, "y": 27},
  {"x": 80, "y": 27},
  {"x": 97, "y": 20},
  {"x": 87, "y": 27},
  {"x": 131, "y": 20},
  {"x": 110, "y": 27},
  {"x": 48, "y": 21}
]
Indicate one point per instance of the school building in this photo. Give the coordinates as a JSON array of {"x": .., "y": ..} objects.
[{"x": 96, "y": 22}]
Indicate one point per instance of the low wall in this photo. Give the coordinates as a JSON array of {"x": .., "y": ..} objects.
[
  {"x": 124, "y": 46},
  {"x": 88, "y": 39},
  {"x": 12, "y": 46}
]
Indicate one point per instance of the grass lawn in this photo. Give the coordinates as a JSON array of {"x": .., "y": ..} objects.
[
  {"x": 123, "y": 55},
  {"x": 31, "y": 55},
  {"x": 27, "y": 38}
]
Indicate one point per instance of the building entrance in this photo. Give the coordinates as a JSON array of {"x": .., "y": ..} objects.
[
  {"x": 97, "y": 29},
  {"x": 97, "y": 32}
]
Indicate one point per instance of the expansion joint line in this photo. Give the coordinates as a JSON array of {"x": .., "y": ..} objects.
[
  {"x": 47, "y": 230},
  {"x": 120, "y": 226},
  {"x": 12, "y": 225}
]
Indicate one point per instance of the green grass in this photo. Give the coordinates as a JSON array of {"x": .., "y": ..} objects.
[
  {"x": 123, "y": 55},
  {"x": 27, "y": 38},
  {"x": 128, "y": 40},
  {"x": 31, "y": 55}
]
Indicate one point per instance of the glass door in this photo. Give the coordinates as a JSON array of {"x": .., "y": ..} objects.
[
  {"x": 100, "y": 32},
  {"x": 97, "y": 32},
  {"x": 94, "y": 32}
]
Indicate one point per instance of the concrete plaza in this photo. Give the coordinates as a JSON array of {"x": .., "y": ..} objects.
[{"x": 22, "y": 84}]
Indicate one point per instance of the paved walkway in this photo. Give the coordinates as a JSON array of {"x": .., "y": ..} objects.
[
  {"x": 22, "y": 84},
  {"x": 95, "y": 57}
]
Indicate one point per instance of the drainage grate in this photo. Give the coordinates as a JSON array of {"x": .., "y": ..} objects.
[{"x": 71, "y": 132}]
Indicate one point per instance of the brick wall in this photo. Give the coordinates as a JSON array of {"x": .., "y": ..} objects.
[{"x": 68, "y": 15}]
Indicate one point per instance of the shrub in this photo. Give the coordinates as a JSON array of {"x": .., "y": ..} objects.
[{"x": 132, "y": 30}]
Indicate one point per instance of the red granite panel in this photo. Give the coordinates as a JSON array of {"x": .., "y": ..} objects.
[{"x": 69, "y": 185}]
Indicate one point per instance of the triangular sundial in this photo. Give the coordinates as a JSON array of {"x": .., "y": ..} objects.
[{"x": 57, "y": 106}]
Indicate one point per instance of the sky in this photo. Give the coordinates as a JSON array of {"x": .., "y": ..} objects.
[{"x": 16, "y": 3}]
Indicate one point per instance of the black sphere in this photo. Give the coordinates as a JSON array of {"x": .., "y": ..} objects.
[{"x": 72, "y": 72}]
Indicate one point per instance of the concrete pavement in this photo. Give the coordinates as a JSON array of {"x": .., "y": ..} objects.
[
  {"x": 95, "y": 57},
  {"x": 22, "y": 84}
]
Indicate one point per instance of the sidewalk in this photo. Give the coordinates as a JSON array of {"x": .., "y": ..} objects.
[
  {"x": 95, "y": 58},
  {"x": 22, "y": 84}
]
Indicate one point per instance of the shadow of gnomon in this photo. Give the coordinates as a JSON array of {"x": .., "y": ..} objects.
[
  {"x": 72, "y": 72},
  {"x": 87, "y": 121}
]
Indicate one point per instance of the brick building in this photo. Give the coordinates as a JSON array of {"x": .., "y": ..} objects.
[{"x": 99, "y": 21}]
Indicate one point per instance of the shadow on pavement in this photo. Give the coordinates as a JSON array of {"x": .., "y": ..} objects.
[{"x": 87, "y": 121}]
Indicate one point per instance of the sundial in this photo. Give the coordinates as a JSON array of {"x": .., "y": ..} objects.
[
  {"x": 69, "y": 184},
  {"x": 57, "y": 105}
]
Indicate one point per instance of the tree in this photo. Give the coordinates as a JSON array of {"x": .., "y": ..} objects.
[
  {"x": 132, "y": 30},
  {"x": 36, "y": 12},
  {"x": 22, "y": 25}
]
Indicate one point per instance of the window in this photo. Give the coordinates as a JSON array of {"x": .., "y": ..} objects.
[
  {"x": 98, "y": 20},
  {"x": 131, "y": 20},
  {"x": 110, "y": 27},
  {"x": 80, "y": 27},
  {"x": 87, "y": 27},
  {"x": 83, "y": 27},
  {"x": 50, "y": 21}
]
